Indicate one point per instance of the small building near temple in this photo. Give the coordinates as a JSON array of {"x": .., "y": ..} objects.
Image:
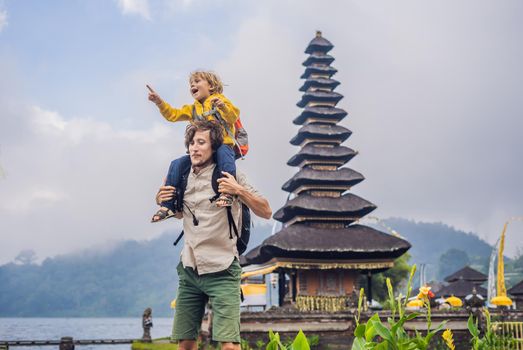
[
  {"x": 460, "y": 289},
  {"x": 467, "y": 274},
  {"x": 517, "y": 295},
  {"x": 321, "y": 250},
  {"x": 462, "y": 283}
]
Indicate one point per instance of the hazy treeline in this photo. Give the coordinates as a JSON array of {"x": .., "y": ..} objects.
[{"x": 131, "y": 276}]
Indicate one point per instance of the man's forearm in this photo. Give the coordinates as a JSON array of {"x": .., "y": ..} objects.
[{"x": 259, "y": 205}]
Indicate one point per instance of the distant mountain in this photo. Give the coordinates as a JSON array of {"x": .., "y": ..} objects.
[
  {"x": 431, "y": 240},
  {"x": 119, "y": 282},
  {"x": 122, "y": 282},
  {"x": 135, "y": 275}
]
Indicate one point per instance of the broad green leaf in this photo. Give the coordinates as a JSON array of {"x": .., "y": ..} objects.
[
  {"x": 473, "y": 329},
  {"x": 300, "y": 342},
  {"x": 412, "y": 316},
  {"x": 374, "y": 317},
  {"x": 382, "y": 331},
  {"x": 358, "y": 344},
  {"x": 370, "y": 332},
  {"x": 381, "y": 346},
  {"x": 359, "y": 332},
  {"x": 272, "y": 345}
]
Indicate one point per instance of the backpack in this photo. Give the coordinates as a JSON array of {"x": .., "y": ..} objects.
[
  {"x": 240, "y": 137},
  {"x": 242, "y": 237}
]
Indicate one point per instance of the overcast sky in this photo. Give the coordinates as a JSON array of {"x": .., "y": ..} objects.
[{"x": 433, "y": 91}]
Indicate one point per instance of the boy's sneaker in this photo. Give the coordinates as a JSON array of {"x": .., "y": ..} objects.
[
  {"x": 162, "y": 214},
  {"x": 224, "y": 200}
]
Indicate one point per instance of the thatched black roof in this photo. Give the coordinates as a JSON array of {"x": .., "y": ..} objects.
[
  {"x": 311, "y": 152},
  {"x": 318, "y": 58},
  {"x": 319, "y": 44},
  {"x": 468, "y": 274},
  {"x": 307, "y": 242},
  {"x": 341, "y": 177},
  {"x": 319, "y": 83},
  {"x": 460, "y": 289},
  {"x": 349, "y": 205},
  {"x": 517, "y": 289},
  {"x": 323, "y": 70},
  {"x": 333, "y": 113},
  {"x": 319, "y": 96},
  {"x": 321, "y": 131}
]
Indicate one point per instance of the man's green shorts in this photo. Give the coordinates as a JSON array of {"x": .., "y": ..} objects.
[{"x": 222, "y": 289}]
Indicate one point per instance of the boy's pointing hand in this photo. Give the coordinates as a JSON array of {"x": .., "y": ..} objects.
[{"x": 153, "y": 96}]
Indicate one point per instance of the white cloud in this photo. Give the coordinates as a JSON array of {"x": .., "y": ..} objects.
[
  {"x": 79, "y": 181},
  {"x": 135, "y": 7},
  {"x": 3, "y": 19}
]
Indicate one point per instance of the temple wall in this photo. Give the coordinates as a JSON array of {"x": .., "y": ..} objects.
[
  {"x": 349, "y": 281},
  {"x": 326, "y": 282}
]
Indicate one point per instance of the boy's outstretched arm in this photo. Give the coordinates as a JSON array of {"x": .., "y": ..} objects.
[{"x": 168, "y": 112}]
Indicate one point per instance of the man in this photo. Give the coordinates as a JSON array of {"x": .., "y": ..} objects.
[{"x": 209, "y": 268}]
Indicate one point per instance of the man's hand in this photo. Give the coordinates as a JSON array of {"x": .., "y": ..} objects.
[
  {"x": 228, "y": 184},
  {"x": 217, "y": 102},
  {"x": 153, "y": 96},
  {"x": 259, "y": 205},
  {"x": 165, "y": 193}
]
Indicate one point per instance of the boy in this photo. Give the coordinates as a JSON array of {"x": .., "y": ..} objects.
[{"x": 206, "y": 88}]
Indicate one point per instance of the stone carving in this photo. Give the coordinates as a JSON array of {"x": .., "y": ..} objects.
[{"x": 147, "y": 324}]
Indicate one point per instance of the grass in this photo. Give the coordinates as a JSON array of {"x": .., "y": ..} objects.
[{"x": 157, "y": 344}]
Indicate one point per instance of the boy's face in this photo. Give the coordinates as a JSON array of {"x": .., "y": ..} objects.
[{"x": 200, "y": 88}]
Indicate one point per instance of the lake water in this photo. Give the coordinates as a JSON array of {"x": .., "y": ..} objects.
[{"x": 80, "y": 328}]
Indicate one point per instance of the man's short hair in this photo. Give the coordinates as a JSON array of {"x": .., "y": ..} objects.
[{"x": 216, "y": 132}]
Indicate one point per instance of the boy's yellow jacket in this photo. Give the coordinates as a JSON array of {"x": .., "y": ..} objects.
[{"x": 229, "y": 113}]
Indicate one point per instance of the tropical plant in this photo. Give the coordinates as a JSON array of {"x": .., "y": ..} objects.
[
  {"x": 376, "y": 335},
  {"x": 299, "y": 343},
  {"x": 489, "y": 339}
]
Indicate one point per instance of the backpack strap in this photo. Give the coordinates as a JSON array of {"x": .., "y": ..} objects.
[
  {"x": 232, "y": 224},
  {"x": 178, "y": 239},
  {"x": 216, "y": 114},
  {"x": 180, "y": 191},
  {"x": 195, "y": 115},
  {"x": 230, "y": 218}
]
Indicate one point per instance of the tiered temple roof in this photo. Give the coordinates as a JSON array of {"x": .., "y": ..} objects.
[{"x": 319, "y": 217}]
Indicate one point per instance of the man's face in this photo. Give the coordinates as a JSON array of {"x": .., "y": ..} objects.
[{"x": 200, "y": 149}]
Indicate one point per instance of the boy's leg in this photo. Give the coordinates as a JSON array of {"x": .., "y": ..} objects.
[
  {"x": 190, "y": 307},
  {"x": 225, "y": 158},
  {"x": 174, "y": 176},
  {"x": 223, "y": 289}
]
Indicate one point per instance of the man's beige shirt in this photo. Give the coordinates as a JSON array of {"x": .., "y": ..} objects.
[{"x": 208, "y": 247}]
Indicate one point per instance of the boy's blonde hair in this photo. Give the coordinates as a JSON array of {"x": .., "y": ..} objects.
[{"x": 212, "y": 78}]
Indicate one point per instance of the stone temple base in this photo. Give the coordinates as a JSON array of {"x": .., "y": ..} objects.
[{"x": 336, "y": 330}]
